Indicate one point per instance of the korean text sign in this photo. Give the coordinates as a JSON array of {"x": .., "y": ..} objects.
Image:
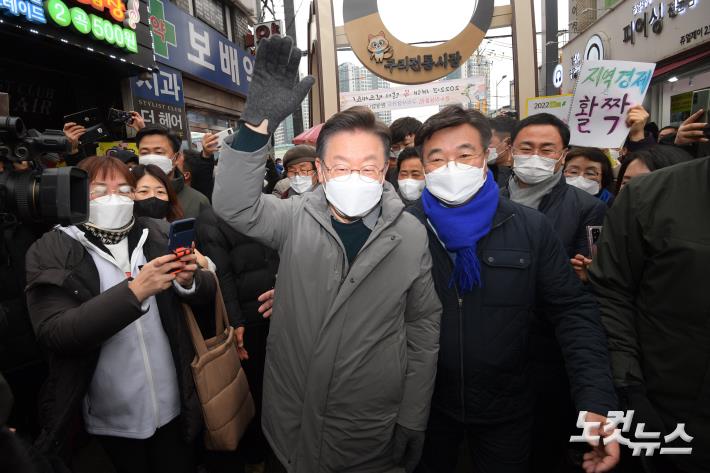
[
  {"x": 188, "y": 44},
  {"x": 605, "y": 91},
  {"x": 160, "y": 99},
  {"x": 557, "y": 105},
  {"x": 466, "y": 91}
]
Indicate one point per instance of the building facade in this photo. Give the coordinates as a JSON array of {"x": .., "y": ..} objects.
[
  {"x": 354, "y": 78},
  {"x": 674, "y": 34}
]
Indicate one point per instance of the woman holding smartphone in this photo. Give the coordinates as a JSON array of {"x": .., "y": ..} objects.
[{"x": 105, "y": 302}]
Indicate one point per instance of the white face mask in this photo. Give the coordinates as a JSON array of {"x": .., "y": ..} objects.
[
  {"x": 301, "y": 184},
  {"x": 492, "y": 155},
  {"x": 454, "y": 184},
  {"x": 353, "y": 196},
  {"x": 111, "y": 212},
  {"x": 411, "y": 189},
  {"x": 581, "y": 182},
  {"x": 163, "y": 162},
  {"x": 533, "y": 169}
]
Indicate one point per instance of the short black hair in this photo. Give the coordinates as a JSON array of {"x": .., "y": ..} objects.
[
  {"x": 410, "y": 152},
  {"x": 504, "y": 125},
  {"x": 404, "y": 126},
  {"x": 598, "y": 156},
  {"x": 454, "y": 115},
  {"x": 543, "y": 119},
  {"x": 174, "y": 139},
  {"x": 656, "y": 157},
  {"x": 354, "y": 118}
]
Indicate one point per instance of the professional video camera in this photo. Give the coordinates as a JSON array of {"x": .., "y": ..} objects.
[{"x": 57, "y": 195}]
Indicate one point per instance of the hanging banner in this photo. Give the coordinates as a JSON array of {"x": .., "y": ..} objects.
[
  {"x": 557, "y": 105},
  {"x": 605, "y": 91},
  {"x": 470, "y": 92},
  {"x": 394, "y": 60}
]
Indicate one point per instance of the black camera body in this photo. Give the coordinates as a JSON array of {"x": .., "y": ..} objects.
[{"x": 57, "y": 195}]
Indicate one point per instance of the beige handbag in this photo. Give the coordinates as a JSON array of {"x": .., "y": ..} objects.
[{"x": 222, "y": 387}]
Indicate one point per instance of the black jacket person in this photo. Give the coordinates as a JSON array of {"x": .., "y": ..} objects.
[
  {"x": 651, "y": 273},
  {"x": 490, "y": 283}
]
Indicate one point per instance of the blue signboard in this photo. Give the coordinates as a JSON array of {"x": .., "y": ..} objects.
[
  {"x": 188, "y": 44},
  {"x": 160, "y": 99}
]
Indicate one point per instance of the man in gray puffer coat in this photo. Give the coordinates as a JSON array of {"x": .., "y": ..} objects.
[{"x": 352, "y": 350}]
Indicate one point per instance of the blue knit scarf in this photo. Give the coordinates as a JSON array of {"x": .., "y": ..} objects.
[{"x": 460, "y": 228}]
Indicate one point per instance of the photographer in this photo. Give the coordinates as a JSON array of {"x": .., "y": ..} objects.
[{"x": 105, "y": 300}]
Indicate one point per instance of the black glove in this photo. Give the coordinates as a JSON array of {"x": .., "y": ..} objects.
[
  {"x": 408, "y": 446},
  {"x": 275, "y": 92}
]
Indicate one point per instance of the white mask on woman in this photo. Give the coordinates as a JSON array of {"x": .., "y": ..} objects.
[
  {"x": 111, "y": 212},
  {"x": 454, "y": 183},
  {"x": 163, "y": 162},
  {"x": 301, "y": 184},
  {"x": 533, "y": 169},
  {"x": 587, "y": 185},
  {"x": 353, "y": 196},
  {"x": 411, "y": 189}
]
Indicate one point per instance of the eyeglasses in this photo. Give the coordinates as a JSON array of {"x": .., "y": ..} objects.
[
  {"x": 545, "y": 152},
  {"x": 301, "y": 173},
  {"x": 589, "y": 173},
  {"x": 462, "y": 162},
  {"x": 102, "y": 191},
  {"x": 340, "y": 172}
]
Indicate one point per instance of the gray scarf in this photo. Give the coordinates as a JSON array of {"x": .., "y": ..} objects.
[{"x": 532, "y": 196}]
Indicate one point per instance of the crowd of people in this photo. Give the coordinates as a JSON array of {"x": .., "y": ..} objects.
[{"x": 463, "y": 294}]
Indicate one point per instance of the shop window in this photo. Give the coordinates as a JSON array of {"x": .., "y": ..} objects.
[
  {"x": 212, "y": 13},
  {"x": 240, "y": 26},
  {"x": 184, "y": 4}
]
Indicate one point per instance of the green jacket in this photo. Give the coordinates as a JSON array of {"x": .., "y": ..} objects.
[
  {"x": 651, "y": 276},
  {"x": 352, "y": 351}
]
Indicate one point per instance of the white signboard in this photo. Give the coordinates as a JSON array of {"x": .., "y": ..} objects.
[
  {"x": 605, "y": 91},
  {"x": 557, "y": 105},
  {"x": 464, "y": 91}
]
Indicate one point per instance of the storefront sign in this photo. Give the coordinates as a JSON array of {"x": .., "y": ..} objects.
[
  {"x": 643, "y": 21},
  {"x": 160, "y": 100},
  {"x": 32, "y": 10},
  {"x": 557, "y": 105},
  {"x": 191, "y": 46},
  {"x": 101, "y": 29},
  {"x": 396, "y": 61},
  {"x": 470, "y": 91},
  {"x": 605, "y": 92},
  {"x": 109, "y": 27}
]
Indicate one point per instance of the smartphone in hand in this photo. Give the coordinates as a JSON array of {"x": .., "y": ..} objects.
[{"x": 181, "y": 237}]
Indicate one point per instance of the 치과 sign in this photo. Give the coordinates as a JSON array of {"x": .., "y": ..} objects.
[{"x": 396, "y": 61}]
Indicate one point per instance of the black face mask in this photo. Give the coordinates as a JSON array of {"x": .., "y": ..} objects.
[{"x": 151, "y": 207}]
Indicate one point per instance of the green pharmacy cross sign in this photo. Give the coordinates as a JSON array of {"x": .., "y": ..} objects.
[{"x": 163, "y": 30}]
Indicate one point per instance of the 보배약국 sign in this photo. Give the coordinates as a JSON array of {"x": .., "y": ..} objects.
[
  {"x": 160, "y": 100},
  {"x": 604, "y": 93},
  {"x": 471, "y": 91},
  {"x": 188, "y": 44},
  {"x": 396, "y": 61},
  {"x": 557, "y": 105}
]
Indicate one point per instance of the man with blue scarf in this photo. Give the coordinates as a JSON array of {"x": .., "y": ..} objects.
[{"x": 494, "y": 263}]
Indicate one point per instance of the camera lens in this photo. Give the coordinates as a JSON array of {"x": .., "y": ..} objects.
[{"x": 12, "y": 124}]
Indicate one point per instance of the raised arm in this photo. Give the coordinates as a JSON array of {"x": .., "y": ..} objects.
[{"x": 274, "y": 93}]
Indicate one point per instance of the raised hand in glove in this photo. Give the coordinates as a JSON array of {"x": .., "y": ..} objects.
[
  {"x": 408, "y": 446},
  {"x": 275, "y": 92}
]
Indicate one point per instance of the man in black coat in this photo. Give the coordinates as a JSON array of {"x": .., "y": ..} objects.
[
  {"x": 539, "y": 145},
  {"x": 495, "y": 263}
]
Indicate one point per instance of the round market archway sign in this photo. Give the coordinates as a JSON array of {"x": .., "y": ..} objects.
[{"x": 388, "y": 57}]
